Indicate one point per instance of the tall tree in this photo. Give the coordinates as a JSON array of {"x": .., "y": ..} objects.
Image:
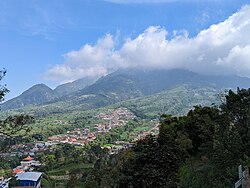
[
  {"x": 237, "y": 109},
  {"x": 3, "y": 89},
  {"x": 13, "y": 124}
]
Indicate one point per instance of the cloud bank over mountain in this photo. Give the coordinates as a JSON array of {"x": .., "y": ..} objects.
[{"x": 223, "y": 48}]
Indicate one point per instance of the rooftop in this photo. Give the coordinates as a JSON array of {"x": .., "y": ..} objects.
[
  {"x": 29, "y": 158},
  {"x": 16, "y": 171},
  {"x": 31, "y": 176}
]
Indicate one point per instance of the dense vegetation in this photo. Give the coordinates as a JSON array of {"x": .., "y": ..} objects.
[
  {"x": 12, "y": 124},
  {"x": 200, "y": 149},
  {"x": 176, "y": 101},
  {"x": 12, "y": 130},
  {"x": 58, "y": 118}
]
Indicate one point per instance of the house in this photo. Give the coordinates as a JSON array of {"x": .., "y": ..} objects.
[
  {"x": 27, "y": 164},
  {"x": 27, "y": 161},
  {"x": 16, "y": 171},
  {"x": 29, "y": 179},
  {"x": 72, "y": 140}
]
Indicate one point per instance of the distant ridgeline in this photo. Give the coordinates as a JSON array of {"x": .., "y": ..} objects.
[{"x": 174, "y": 91}]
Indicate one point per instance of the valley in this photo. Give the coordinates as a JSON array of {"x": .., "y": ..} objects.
[
  {"x": 74, "y": 131},
  {"x": 124, "y": 94}
]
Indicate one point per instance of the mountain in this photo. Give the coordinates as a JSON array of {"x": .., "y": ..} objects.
[
  {"x": 119, "y": 86},
  {"x": 176, "y": 101},
  {"x": 41, "y": 94},
  {"x": 70, "y": 87},
  {"x": 126, "y": 84},
  {"x": 37, "y": 94}
]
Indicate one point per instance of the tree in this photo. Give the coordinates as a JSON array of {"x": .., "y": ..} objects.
[
  {"x": 49, "y": 160},
  {"x": 237, "y": 109},
  {"x": 200, "y": 124},
  {"x": 200, "y": 149},
  {"x": 91, "y": 182},
  {"x": 154, "y": 163},
  {"x": 3, "y": 89},
  {"x": 13, "y": 125}
]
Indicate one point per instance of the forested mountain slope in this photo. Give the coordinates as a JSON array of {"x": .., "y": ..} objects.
[{"x": 120, "y": 86}]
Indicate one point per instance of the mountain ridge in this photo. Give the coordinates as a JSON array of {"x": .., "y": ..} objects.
[
  {"x": 41, "y": 94},
  {"x": 121, "y": 85}
]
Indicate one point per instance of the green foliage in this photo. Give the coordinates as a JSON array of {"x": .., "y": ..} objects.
[
  {"x": 154, "y": 165},
  {"x": 237, "y": 109},
  {"x": 59, "y": 117},
  {"x": 201, "y": 149},
  {"x": 179, "y": 89},
  {"x": 13, "y": 182},
  {"x": 91, "y": 182},
  {"x": 37, "y": 94},
  {"x": 15, "y": 124},
  {"x": 176, "y": 101},
  {"x": 3, "y": 89},
  {"x": 49, "y": 160},
  {"x": 12, "y": 126}
]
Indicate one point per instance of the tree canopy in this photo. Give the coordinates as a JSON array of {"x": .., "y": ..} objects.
[
  {"x": 3, "y": 89},
  {"x": 13, "y": 124},
  {"x": 200, "y": 149}
]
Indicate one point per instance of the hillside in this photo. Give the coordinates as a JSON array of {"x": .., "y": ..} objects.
[
  {"x": 135, "y": 83},
  {"x": 190, "y": 151},
  {"x": 119, "y": 86},
  {"x": 70, "y": 87},
  {"x": 175, "y": 101},
  {"x": 42, "y": 94},
  {"x": 37, "y": 94}
]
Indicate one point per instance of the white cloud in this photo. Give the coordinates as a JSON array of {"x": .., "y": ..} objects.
[
  {"x": 89, "y": 61},
  {"x": 223, "y": 48}
]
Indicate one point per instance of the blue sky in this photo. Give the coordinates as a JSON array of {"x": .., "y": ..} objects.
[{"x": 55, "y": 41}]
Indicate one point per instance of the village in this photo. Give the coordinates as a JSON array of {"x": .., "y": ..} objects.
[
  {"x": 111, "y": 120},
  {"x": 122, "y": 145},
  {"x": 78, "y": 136},
  {"x": 37, "y": 148},
  {"x": 82, "y": 136}
]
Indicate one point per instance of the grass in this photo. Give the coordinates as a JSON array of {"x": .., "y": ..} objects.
[
  {"x": 138, "y": 129},
  {"x": 69, "y": 167},
  {"x": 46, "y": 183},
  {"x": 108, "y": 145}
]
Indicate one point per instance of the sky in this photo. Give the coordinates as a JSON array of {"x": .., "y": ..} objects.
[{"x": 58, "y": 41}]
